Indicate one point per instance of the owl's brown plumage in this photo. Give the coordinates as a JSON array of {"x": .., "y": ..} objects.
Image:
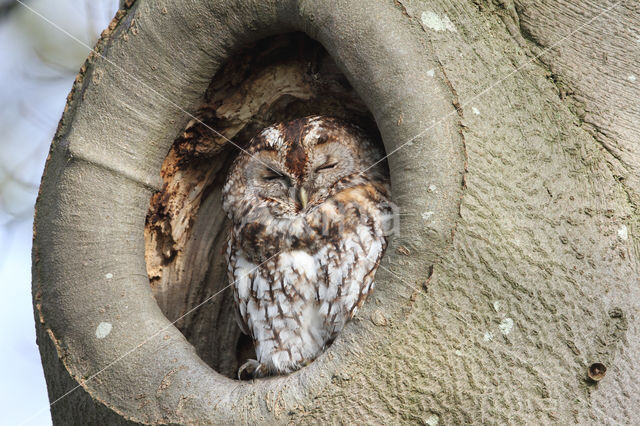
[{"x": 308, "y": 234}]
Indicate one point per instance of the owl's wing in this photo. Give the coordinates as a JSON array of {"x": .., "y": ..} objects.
[
  {"x": 350, "y": 274},
  {"x": 239, "y": 271},
  {"x": 240, "y": 320}
]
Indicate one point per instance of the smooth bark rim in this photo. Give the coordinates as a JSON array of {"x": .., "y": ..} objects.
[{"x": 88, "y": 256}]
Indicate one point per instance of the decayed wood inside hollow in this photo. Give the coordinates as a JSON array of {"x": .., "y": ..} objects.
[{"x": 186, "y": 232}]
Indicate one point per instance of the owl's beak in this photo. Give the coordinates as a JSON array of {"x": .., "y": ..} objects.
[{"x": 303, "y": 197}]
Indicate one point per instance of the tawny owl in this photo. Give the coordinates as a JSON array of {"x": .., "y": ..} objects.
[{"x": 309, "y": 229}]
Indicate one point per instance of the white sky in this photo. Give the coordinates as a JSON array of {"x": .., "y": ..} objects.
[{"x": 37, "y": 67}]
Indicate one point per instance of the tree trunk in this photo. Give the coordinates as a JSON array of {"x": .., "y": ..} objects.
[{"x": 512, "y": 130}]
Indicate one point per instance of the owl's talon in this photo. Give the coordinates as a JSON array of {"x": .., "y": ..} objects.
[{"x": 251, "y": 369}]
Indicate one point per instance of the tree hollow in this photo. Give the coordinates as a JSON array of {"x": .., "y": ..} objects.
[{"x": 186, "y": 233}]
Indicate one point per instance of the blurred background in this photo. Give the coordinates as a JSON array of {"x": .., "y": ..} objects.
[{"x": 38, "y": 63}]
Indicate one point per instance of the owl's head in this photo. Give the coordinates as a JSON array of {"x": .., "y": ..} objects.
[{"x": 291, "y": 168}]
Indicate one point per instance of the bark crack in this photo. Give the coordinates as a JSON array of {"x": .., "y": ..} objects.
[
  {"x": 460, "y": 113},
  {"x": 535, "y": 49}
]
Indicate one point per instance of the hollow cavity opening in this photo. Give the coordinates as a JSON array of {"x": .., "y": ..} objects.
[{"x": 186, "y": 232}]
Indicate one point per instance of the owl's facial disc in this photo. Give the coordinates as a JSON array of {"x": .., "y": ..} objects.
[{"x": 297, "y": 166}]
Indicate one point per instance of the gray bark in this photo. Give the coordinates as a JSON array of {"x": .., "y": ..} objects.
[{"x": 516, "y": 264}]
